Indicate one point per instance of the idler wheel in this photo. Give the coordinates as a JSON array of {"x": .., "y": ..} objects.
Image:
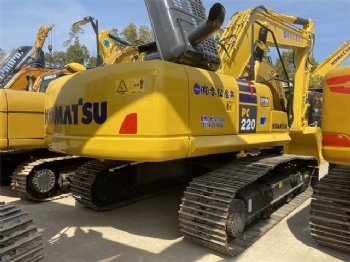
[
  {"x": 236, "y": 219},
  {"x": 43, "y": 180}
]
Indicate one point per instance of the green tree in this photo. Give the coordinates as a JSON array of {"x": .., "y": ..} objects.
[
  {"x": 317, "y": 82},
  {"x": 288, "y": 58},
  {"x": 288, "y": 61},
  {"x": 77, "y": 53},
  {"x": 57, "y": 59},
  {"x": 136, "y": 35},
  {"x": 114, "y": 31},
  {"x": 145, "y": 34},
  {"x": 130, "y": 32},
  {"x": 92, "y": 62},
  {"x": 74, "y": 33}
]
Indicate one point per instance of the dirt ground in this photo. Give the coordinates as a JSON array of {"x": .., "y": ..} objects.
[{"x": 149, "y": 231}]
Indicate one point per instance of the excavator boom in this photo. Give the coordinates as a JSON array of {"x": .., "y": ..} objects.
[
  {"x": 333, "y": 61},
  {"x": 40, "y": 40}
]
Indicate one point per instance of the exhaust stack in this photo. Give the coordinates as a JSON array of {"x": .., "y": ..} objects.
[
  {"x": 183, "y": 31},
  {"x": 206, "y": 28}
]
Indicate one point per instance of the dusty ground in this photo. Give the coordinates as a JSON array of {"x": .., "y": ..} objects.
[{"x": 149, "y": 231}]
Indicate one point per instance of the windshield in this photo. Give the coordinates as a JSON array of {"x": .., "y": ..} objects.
[{"x": 48, "y": 79}]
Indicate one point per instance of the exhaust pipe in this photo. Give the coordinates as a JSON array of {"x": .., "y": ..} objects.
[{"x": 215, "y": 20}]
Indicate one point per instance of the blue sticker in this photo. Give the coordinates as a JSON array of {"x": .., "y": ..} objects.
[
  {"x": 263, "y": 119},
  {"x": 197, "y": 89},
  {"x": 245, "y": 98}
]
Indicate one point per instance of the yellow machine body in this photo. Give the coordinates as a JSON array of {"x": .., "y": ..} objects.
[
  {"x": 22, "y": 120},
  {"x": 22, "y": 115},
  {"x": 157, "y": 111},
  {"x": 335, "y": 116}
]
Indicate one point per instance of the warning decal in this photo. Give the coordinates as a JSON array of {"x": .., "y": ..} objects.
[{"x": 122, "y": 89}]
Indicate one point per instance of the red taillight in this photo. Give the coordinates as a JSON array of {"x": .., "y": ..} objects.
[
  {"x": 129, "y": 125},
  {"x": 335, "y": 140}
]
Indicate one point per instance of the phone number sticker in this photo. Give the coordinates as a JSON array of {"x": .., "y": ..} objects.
[{"x": 212, "y": 121}]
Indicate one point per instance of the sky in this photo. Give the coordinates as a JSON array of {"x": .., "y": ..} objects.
[{"x": 21, "y": 19}]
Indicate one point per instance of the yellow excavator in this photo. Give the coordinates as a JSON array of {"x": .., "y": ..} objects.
[
  {"x": 34, "y": 172},
  {"x": 317, "y": 81},
  {"x": 43, "y": 81},
  {"x": 330, "y": 204},
  {"x": 185, "y": 112},
  {"x": 24, "y": 62},
  {"x": 39, "y": 174},
  {"x": 333, "y": 60}
]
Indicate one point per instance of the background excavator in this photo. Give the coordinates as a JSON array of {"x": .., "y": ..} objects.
[
  {"x": 44, "y": 177},
  {"x": 318, "y": 80},
  {"x": 116, "y": 49},
  {"x": 21, "y": 64},
  {"x": 181, "y": 112},
  {"x": 330, "y": 204},
  {"x": 333, "y": 60},
  {"x": 35, "y": 172},
  {"x": 40, "y": 175}
]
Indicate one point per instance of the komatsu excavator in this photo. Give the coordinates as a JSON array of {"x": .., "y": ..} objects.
[
  {"x": 330, "y": 204},
  {"x": 35, "y": 173},
  {"x": 43, "y": 81},
  {"x": 317, "y": 81},
  {"x": 187, "y": 110},
  {"x": 22, "y": 64},
  {"x": 333, "y": 60}
]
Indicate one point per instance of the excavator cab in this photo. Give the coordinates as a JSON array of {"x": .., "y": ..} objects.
[{"x": 43, "y": 81}]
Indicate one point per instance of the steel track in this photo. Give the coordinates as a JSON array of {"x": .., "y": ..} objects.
[
  {"x": 330, "y": 210},
  {"x": 20, "y": 176},
  {"x": 82, "y": 186},
  {"x": 19, "y": 238},
  {"x": 205, "y": 207}
]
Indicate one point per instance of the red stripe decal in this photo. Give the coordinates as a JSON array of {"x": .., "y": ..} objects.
[
  {"x": 250, "y": 88},
  {"x": 335, "y": 140},
  {"x": 340, "y": 89},
  {"x": 338, "y": 80}
]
